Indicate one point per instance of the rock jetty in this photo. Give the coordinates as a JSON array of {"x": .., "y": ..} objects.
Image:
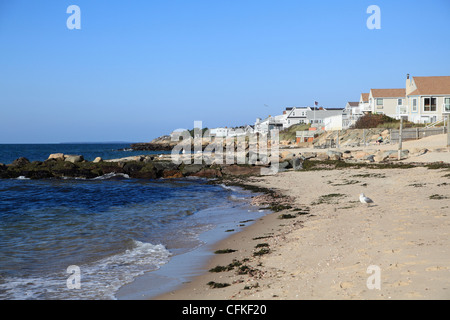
[{"x": 161, "y": 166}]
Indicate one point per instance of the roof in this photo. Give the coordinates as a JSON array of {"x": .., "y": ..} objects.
[
  {"x": 365, "y": 97},
  {"x": 353, "y": 104},
  {"x": 431, "y": 85},
  {"x": 388, "y": 93}
]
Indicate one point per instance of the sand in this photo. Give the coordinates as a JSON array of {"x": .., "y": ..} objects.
[{"x": 402, "y": 240}]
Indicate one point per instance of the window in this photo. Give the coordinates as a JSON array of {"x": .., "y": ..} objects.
[
  {"x": 414, "y": 105},
  {"x": 429, "y": 104},
  {"x": 380, "y": 103},
  {"x": 446, "y": 104},
  {"x": 399, "y": 102}
]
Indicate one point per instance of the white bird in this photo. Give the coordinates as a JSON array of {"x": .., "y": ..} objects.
[{"x": 364, "y": 199}]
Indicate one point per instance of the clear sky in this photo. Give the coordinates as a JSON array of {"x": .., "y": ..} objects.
[{"x": 143, "y": 68}]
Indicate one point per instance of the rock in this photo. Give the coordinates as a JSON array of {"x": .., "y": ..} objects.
[
  {"x": 162, "y": 166},
  {"x": 321, "y": 157},
  {"x": 334, "y": 155},
  {"x": 20, "y": 162},
  {"x": 56, "y": 156},
  {"x": 360, "y": 155},
  {"x": 208, "y": 173},
  {"x": 392, "y": 154},
  {"x": 284, "y": 165},
  {"x": 127, "y": 159},
  {"x": 347, "y": 155},
  {"x": 309, "y": 155},
  {"x": 73, "y": 158},
  {"x": 236, "y": 170},
  {"x": 172, "y": 174},
  {"x": 297, "y": 163},
  {"x": 97, "y": 160},
  {"x": 370, "y": 158},
  {"x": 191, "y": 169},
  {"x": 286, "y": 156},
  {"x": 380, "y": 156},
  {"x": 132, "y": 167}
]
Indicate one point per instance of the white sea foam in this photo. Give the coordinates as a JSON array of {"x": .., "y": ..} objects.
[
  {"x": 112, "y": 175},
  {"x": 99, "y": 280}
]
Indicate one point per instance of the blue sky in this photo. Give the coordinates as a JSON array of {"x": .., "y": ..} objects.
[{"x": 140, "y": 69}]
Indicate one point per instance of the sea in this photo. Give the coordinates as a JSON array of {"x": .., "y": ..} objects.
[{"x": 83, "y": 239}]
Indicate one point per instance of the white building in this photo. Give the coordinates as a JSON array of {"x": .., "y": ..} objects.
[{"x": 296, "y": 115}]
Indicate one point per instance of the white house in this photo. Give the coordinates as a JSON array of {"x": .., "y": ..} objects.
[
  {"x": 219, "y": 132},
  {"x": 335, "y": 122}
]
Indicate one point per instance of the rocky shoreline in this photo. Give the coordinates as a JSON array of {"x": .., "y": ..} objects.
[{"x": 155, "y": 167}]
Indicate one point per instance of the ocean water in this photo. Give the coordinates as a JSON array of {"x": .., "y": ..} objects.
[
  {"x": 113, "y": 228},
  {"x": 40, "y": 152}
]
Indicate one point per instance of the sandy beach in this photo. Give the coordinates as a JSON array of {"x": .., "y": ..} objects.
[{"x": 332, "y": 245}]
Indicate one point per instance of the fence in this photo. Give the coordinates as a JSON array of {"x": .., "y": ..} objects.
[{"x": 415, "y": 133}]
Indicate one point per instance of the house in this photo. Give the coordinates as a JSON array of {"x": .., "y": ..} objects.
[
  {"x": 352, "y": 108},
  {"x": 336, "y": 122},
  {"x": 295, "y": 115},
  {"x": 219, "y": 132},
  {"x": 309, "y": 115},
  {"x": 351, "y": 114},
  {"x": 364, "y": 106},
  {"x": 427, "y": 98},
  {"x": 231, "y": 132},
  {"x": 264, "y": 126},
  {"x": 390, "y": 102}
]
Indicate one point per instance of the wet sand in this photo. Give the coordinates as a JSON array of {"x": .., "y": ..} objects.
[{"x": 330, "y": 253}]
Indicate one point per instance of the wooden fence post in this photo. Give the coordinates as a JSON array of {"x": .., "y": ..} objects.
[
  {"x": 448, "y": 131},
  {"x": 400, "y": 139}
]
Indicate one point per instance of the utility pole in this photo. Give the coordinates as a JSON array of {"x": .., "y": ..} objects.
[{"x": 400, "y": 139}]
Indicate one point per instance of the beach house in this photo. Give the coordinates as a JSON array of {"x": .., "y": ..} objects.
[
  {"x": 427, "y": 98},
  {"x": 309, "y": 115},
  {"x": 390, "y": 102},
  {"x": 364, "y": 106}
]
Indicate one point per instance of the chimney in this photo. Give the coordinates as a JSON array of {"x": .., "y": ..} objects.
[{"x": 407, "y": 76}]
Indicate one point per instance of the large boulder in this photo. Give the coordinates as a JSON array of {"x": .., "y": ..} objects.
[
  {"x": 161, "y": 166},
  {"x": 20, "y": 162},
  {"x": 286, "y": 155},
  {"x": 56, "y": 156},
  {"x": 334, "y": 155},
  {"x": 191, "y": 169},
  {"x": 380, "y": 156},
  {"x": 297, "y": 163},
  {"x": 73, "y": 158}
]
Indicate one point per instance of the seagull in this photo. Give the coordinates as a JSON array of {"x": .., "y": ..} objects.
[{"x": 364, "y": 199}]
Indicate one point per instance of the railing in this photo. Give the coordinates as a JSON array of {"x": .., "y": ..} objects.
[
  {"x": 415, "y": 133},
  {"x": 432, "y": 125}
]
